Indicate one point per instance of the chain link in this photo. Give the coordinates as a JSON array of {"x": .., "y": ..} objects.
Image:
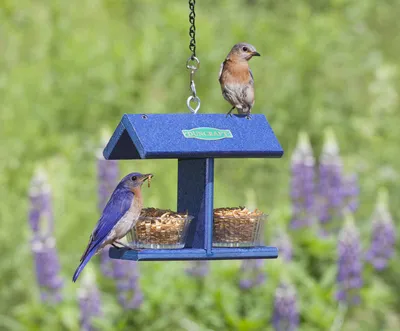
[
  {"x": 192, "y": 29},
  {"x": 192, "y": 62}
]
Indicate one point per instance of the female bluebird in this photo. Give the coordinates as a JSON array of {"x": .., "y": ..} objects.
[
  {"x": 119, "y": 216},
  {"x": 236, "y": 78}
]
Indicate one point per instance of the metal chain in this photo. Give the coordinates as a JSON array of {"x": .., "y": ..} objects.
[
  {"x": 192, "y": 29},
  {"x": 192, "y": 62}
]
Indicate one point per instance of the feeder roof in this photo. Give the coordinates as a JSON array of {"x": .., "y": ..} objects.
[{"x": 180, "y": 136}]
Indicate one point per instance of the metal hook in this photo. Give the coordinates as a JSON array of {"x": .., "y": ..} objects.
[
  {"x": 195, "y": 100},
  {"x": 193, "y": 64}
]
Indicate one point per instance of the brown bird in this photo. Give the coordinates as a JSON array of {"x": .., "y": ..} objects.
[{"x": 236, "y": 78}]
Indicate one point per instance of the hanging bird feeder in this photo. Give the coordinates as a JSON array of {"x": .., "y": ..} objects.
[{"x": 195, "y": 140}]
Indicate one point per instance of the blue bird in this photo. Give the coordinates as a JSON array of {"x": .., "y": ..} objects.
[{"x": 119, "y": 216}]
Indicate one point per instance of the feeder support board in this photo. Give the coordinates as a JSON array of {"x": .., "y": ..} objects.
[{"x": 194, "y": 140}]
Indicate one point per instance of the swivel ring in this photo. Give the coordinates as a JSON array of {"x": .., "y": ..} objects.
[{"x": 193, "y": 63}]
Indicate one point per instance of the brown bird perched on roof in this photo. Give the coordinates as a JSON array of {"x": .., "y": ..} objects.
[{"x": 236, "y": 78}]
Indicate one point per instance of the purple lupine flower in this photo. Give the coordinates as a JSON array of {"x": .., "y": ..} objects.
[
  {"x": 40, "y": 216},
  {"x": 106, "y": 263},
  {"x": 349, "y": 276},
  {"x": 107, "y": 178},
  {"x": 383, "y": 234},
  {"x": 89, "y": 302},
  {"x": 302, "y": 183},
  {"x": 350, "y": 192},
  {"x": 285, "y": 316},
  {"x": 197, "y": 269},
  {"x": 330, "y": 193},
  {"x": 43, "y": 244},
  {"x": 252, "y": 274},
  {"x": 126, "y": 274},
  {"x": 47, "y": 268},
  {"x": 284, "y": 244}
]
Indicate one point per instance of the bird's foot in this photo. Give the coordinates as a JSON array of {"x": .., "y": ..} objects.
[
  {"x": 248, "y": 116},
  {"x": 115, "y": 246},
  {"x": 230, "y": 112},
  {"x": 120, "y": 243}
]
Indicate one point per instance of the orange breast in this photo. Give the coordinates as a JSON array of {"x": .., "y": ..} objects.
[
  {"x": 138, "y": 194},
  {"x": 235, "y": 72}
]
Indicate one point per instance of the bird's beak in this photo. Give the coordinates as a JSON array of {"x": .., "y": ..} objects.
[{"x": 255, "y": 54}]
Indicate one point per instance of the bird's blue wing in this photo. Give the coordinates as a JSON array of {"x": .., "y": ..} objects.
[{"x": 116, "y": 207}]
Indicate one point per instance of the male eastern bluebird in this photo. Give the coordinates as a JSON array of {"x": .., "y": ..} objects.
[
  {"x": 119, "y": 216},
  {"x": 236, "y": 78}
]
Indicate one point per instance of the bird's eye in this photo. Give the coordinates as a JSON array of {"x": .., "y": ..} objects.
[
  {"x": 245, "y": 49},
  {"x": 133, "y": 178}
]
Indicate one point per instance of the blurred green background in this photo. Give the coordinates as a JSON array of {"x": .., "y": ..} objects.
[{"x": 68, "y": 69}]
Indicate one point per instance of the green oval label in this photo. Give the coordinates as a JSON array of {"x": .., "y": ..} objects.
[{"x": 207, "y": 133}]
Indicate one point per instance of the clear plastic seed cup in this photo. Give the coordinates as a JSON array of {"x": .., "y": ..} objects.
[
  {"x": 238, "y": 227},
  {"x": 160, "y": 229}
]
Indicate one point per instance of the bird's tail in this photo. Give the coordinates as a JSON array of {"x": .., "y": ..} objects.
[{"x": 83, "y": 263}]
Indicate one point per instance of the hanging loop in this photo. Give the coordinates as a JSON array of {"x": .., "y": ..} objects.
[{"x": 196, "y": 100}]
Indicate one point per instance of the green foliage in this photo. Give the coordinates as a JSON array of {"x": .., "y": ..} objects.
[{"x": 70, "y": 68}]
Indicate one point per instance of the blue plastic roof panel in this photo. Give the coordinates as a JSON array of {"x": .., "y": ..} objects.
[{"x": 180, "y": 136}]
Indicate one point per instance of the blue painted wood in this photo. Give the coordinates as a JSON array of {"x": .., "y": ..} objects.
[
  {"x": 160, "y": 136},
  {"x": 195, "y": 195},
  {"x": 261, "y": 252}
]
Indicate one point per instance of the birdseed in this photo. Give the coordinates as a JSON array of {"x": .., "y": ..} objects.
[
  {"x": 236, "y": 226},
  {"x": 160, "y": 226}
]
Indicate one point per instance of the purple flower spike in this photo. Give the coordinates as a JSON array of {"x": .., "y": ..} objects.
[
  {"x": 284, "y": 244},
  {"x": 89, "y": 302},
  {"x": 40, "y": 215},
  {"x": 285, "y": 316},
  {"x": 47, "y": 269},
  {"x": 107, "y": 179},
  {"x": 126, "y": 274},
  {"x": 349, "y": 276},
  {"x": 350, "y": 192},
  {"x": 302, "y": 183},
  {"x": 251, "y": 274},
  {"x": 197, "y": 269},
  {"x": 330, "y": 190},
  {"x": 383, "y": 234},
  {"x": 43, "y": 244},
  {"x": 106, "y": 264}
]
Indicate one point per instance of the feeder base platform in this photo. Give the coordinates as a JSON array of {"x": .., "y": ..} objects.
[{"x": 187, "y": 254}]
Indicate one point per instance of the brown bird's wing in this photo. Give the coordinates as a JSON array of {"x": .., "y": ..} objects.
[
  {"x": 252, "y": 78},
  {"x": 220, "y": 71}
]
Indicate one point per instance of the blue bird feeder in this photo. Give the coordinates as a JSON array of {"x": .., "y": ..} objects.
[{"x": 194, "y": 140}]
